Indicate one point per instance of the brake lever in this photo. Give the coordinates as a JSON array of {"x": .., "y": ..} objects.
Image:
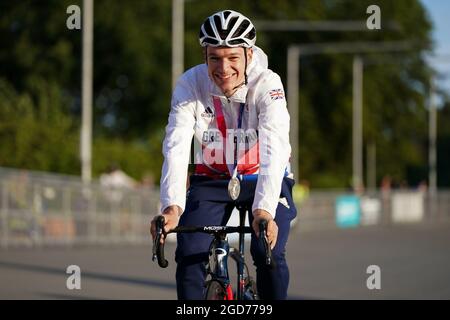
[
  {"x": 263, "y": 235},
  {"x": 158, "y": 248}
]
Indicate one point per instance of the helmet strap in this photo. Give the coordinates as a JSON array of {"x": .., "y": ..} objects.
[{"x": 245, "y": 71}]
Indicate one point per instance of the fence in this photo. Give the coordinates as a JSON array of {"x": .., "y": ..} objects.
[
  {"x": 38, "y": 209},
  {"x": 319, "y": 209},
  {"x": 41, "y": 209}
]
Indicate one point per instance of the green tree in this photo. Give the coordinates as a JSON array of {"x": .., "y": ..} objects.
[
  {"x": 35, "y": 130},
  {"x": 132, "y": 81}
]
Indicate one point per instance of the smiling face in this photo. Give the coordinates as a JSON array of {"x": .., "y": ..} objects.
[{"x": 226, "y": 67}]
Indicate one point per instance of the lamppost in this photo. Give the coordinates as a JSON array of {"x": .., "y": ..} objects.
[
  {"x": 86, "y": 85},
  {"x": 295, "y": 52},
  {"x": 177, "y": 40}
]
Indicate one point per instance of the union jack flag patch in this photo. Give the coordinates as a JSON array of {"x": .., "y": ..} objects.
[{"x": 276, "y": 94}]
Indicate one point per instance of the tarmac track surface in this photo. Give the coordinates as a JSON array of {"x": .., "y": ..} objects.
[{"x": 414, "y": 262}]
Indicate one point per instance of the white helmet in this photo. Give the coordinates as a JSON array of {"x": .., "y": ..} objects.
[{"x": 227, "y": 28}]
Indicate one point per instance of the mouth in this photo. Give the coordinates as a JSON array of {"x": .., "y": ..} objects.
[{"x": 224, "y": 77}]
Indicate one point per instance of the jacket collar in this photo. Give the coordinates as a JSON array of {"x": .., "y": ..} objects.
[{"x": 239, "y": 96}]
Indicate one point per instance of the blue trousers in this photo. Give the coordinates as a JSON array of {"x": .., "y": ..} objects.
[{"x": 208, "y": 203}]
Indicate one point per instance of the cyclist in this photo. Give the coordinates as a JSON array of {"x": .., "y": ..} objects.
[{"x": 235, "y": 107}]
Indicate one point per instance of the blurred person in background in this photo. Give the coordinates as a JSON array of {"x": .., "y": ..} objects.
[
  {"x": 115, "y": 177},
  {"x": 115, "y": 181}
]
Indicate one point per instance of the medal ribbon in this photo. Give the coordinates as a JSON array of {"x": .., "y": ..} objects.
[{"x": 221, "y": 125}]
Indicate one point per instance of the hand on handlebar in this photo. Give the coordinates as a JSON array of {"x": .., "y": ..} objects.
[
  {"x": 272, "y": 228},
  {"x": 171, "y": 218},
  {"x": 160, "y": 226}
]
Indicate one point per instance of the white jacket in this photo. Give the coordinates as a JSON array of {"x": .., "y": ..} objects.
[{"x": 265, "y": 126}]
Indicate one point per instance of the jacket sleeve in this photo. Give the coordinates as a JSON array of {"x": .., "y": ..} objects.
[
  {"x": 177, "y": 145},
  {"x": 274, "y": 146}
]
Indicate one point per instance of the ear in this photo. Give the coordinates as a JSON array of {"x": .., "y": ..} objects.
[
  {"x": 249, "y": 55},
  {"x": 205, "y": 52}
]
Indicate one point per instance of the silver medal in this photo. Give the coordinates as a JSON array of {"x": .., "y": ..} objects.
[{"x": 234, "y": 188}]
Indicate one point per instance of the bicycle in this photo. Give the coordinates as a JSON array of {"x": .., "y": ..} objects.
[{"x": 218, "y": 284}]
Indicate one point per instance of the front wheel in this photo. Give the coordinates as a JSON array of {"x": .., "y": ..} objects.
[{"x": 216, "y": 291}]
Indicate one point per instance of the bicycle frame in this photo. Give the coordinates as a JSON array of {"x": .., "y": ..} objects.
[{"x": 218, "y": 260}]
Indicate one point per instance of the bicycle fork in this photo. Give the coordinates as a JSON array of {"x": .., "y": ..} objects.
[{"x": 218, "y": 263}]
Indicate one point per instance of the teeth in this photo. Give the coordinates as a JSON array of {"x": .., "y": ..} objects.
[{"x": 224, "y": 77}]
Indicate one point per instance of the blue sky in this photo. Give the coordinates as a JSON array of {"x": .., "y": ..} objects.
[{"x": 439, "y": 11}]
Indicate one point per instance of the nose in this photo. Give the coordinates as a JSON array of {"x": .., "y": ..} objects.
[{"x": 223, "y": 65}]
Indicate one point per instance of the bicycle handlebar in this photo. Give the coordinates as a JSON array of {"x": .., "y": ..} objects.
[{"x": 158, "y": 247}]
